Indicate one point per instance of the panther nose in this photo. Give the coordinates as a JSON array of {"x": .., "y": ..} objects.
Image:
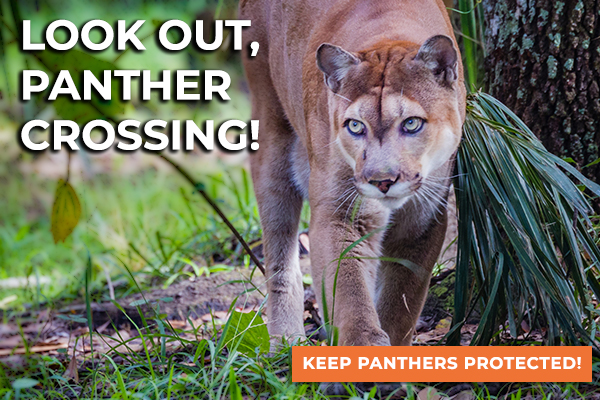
[{"x": 384, "y": 185}]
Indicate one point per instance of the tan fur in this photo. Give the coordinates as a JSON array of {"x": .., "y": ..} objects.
[{"x": 382, "y": 74}]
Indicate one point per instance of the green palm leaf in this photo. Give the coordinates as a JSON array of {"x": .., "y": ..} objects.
[{"x": 526, "y": 247}]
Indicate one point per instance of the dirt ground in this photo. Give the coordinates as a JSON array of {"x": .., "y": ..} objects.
[
  {"x": 204, "y": 301},
  {"x": 196, "y": 308}
]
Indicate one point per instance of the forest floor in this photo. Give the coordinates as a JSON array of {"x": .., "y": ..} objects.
[
  {"x": 163, "y": 326},
  {"x": 156, "y": 278}
]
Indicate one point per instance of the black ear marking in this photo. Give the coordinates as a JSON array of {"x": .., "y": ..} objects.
[
  {"x": 335, "y": 63},
  {"x": 439, "y": 55}
]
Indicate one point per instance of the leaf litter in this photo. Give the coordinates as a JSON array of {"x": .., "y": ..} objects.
[{"x": 195, "y": 309}]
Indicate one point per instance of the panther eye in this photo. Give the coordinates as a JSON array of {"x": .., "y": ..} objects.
[
  {"x": 412, "y": 125},
  {"x": 355, "y": 127}
]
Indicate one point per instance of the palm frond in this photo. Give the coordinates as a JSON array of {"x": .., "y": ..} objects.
[{"x": 526, "y": 246}]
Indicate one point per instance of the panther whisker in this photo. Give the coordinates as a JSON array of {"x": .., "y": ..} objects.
[
  {"x": 344, "y": 193},
  {"x": 435, "y": 201},
  {"x": 430, "y": 200},
  {"x": 333, "y": 189},
  {"x": 444, "y": 178},
  {"x": 349, "y": 192},
  {"x": 433, "y": 195},
  {"x": 350, "y": 207},
  {"x": 434, "y": 185},
  {"x": 345, "y": 200}
]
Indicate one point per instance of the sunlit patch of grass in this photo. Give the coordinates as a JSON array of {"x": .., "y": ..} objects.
[{"x": 152, "y": 223}]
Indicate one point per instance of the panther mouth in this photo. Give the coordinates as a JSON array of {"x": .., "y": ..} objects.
[
  {"x": 420, "y": 191},
  {"x": 392, "y": 199},
  {"x": 381, "y": 190}
]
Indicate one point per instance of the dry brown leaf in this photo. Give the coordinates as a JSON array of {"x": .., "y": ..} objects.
[
  {"x": 33, "y": 349},
  {"x": 72, "y": 372},
  {"x": 11, "y": 342},
  {"x": 465, "y": 395},
  {"x": 428, "y": 393},
  {"x": 105, "y": 343},
  {"x": 177, "y": 323},
  {"x": 53, "y": 341},
  {"x": 103, "y": 327},
  {"x": 431, "y": 336},
  {"x": 34, "y": 328},
  {"x": 221, "y": 315},
  {"x": 303, "y": 238}
]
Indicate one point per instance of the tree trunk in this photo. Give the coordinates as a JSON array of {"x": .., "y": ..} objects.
[{"x": 543, "y": 62}]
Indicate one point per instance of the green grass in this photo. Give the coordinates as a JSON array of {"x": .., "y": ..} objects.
[
  {"x": 206, "y": 368},
  {"x": 118, "y": 211},
  {"x": 149, "y": 222}
]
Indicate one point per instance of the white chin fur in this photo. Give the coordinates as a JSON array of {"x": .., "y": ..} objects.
[
  {"x": 393, "y": 203},
  {"x": 396, "y": 197}
]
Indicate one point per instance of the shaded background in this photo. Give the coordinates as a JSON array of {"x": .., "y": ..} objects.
[{"x": 137, "y": 213}]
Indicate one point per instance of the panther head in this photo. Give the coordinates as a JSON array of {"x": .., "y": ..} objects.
[{"x": 396, "y": 115}]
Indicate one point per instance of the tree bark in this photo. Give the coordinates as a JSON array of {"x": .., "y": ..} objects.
[{"x": 543, "y": 62}]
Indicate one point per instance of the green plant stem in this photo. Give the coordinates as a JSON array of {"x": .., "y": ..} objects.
[
  {"x": 215, "y": 207},
  {"x": 469, "y": 29}
]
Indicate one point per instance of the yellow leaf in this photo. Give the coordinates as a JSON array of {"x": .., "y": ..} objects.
[
  {"x": 444, "y": 324},
  {"x": 65, "y": 211}
]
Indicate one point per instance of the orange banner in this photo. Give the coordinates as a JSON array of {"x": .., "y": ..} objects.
[{"x": 442, "y": 364}]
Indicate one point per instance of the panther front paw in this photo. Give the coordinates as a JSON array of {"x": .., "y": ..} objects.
[
  {"x": 365, "y": 337},
  {"x": 378, "y": 338}
]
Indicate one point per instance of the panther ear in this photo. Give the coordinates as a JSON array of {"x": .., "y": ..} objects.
[
  {"x": 439, "y": 55},
  {"x": 335, "y": 63}
]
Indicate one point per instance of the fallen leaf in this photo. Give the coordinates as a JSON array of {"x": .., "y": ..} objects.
[
  {"x": 465, "y": 395},
  {"x": 34, "y": 349},
  {"x": 221, "y": 315},
  {"x": 72, "y": 372},
  {"x": 177, "y": 323},
  {"x": 303, "y": 238},
  {"x": 444, "y": 324},
  {"x": 103, "y": 327},
  {"x": 11, "y": 342},
  {"x": 428, "y": 393}
]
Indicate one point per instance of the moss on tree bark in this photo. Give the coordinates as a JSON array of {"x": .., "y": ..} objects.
[{"x": 543, "y": 61}]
